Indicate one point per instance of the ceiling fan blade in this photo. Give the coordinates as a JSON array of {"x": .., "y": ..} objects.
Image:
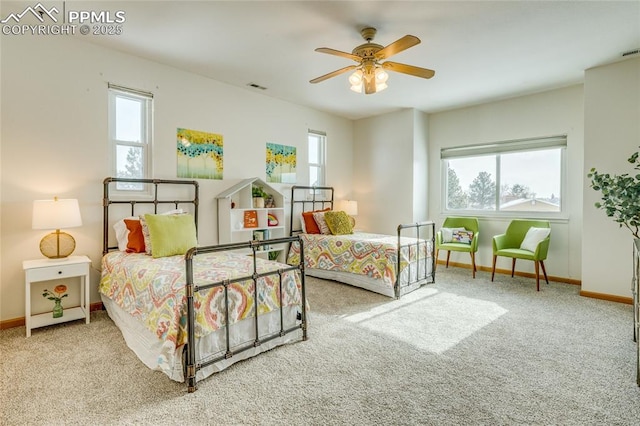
[
  {"x": 397, "y": 46},
  {"x": 408, "y": 69},
  {"x": 338, "y": 53},
  {"x": 333, "y": 74}
]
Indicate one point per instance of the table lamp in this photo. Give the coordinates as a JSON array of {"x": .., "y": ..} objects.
[
  {"x": 350, "y": 207},
  {"x": 56, "y": 214}
]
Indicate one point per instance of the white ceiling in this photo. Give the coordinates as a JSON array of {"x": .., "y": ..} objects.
[{"x": 481, "y": 50}]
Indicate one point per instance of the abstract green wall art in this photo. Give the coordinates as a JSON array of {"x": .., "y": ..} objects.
[
  {"x": 200, "y": 154},
  {"x": 281, "y": 163}
]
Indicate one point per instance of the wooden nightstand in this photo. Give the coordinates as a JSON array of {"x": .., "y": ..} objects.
[{"x": 48, "y": 269}]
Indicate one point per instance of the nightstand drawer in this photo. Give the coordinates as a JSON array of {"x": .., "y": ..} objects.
[{"x": 59, "y": 271}]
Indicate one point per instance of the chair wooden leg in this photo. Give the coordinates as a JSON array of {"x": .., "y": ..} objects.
[
  {"x": 493, "y": 271},
  {"x": 537, "y": 275},
  {"x": 544, "y": 271},
  {"x": 513, "y": 266},
  {"x": 436, "y": 261},
  {"x": 473, "y": 263},
  {"x": 448, "y": 254}
]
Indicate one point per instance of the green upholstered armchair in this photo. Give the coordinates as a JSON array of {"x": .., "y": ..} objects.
[
  {"x": 509, "y": 245},
  {"x": 468, "y": 223}
]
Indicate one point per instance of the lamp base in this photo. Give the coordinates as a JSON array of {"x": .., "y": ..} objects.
[{"x": 57, "y": 245}]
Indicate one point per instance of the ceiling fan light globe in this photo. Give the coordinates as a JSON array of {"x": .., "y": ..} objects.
[
  {"x": 380, "y": 87},
  {"x": 356, "y": 78},
  {"x": 357, "y": 87},
  {"x": 381, "y": 76}
]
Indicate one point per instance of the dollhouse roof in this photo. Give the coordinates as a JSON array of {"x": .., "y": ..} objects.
[{"x": 227, "y": 193}]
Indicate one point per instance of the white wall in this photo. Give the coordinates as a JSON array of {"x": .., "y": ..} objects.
[
  {"x": 545, "y": 114},
  {"x": 54, "y": 141},
  {"x": 420, "y": 167},
  {"x": 612, "y": 134},
  {"x": 386, "y": 148}
]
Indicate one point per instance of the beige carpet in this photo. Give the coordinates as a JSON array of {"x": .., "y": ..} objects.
[{"x": 458, "y": 352}]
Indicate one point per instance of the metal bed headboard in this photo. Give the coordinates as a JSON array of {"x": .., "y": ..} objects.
[
  {"x": 314, "y": 196},
  {"x": 155, "y": 200}
]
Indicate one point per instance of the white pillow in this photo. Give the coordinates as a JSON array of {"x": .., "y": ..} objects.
[
  {"x": 174, "y": 211},
  {"x": 447, "y": 234},
  {"x": 534, "y": 237}
]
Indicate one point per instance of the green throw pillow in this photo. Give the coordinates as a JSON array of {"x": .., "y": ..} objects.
[
  {"x": 171, "y": 234},
  {"x": 339, "y": 223}
]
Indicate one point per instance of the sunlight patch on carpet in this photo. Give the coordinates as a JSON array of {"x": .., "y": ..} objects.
[{"x": 429, "y": 319}]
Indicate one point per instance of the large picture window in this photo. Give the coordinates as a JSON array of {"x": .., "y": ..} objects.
[
  {"x": 130, "y": 135},
  {"x": 515, "y": 176}
]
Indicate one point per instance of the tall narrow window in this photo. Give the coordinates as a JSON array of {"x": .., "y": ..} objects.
[
  {"x": 317, "y": 156},
  {"x": 130, "y": 135}
]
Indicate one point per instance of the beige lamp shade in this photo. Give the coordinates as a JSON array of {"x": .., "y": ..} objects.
[
  {"x": 350, "y": 207},
  {"x": 56, "y": 214}
]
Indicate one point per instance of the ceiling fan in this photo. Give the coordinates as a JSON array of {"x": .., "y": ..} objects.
[{"x": 370, "y": 72}]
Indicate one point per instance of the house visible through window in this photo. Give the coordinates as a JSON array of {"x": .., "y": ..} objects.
[
  {"x": 515, "y": 176},
  {"x": 130, "y": 135},
  {"x": 317, "y": 155}
]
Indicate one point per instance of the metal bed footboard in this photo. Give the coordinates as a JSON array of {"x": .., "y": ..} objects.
[
  {"x": 424, "y": 235},
  {"x": 192, "y": 365},
  {"x": 152, "y": 200},
  {"x": 304, "y": 198}
]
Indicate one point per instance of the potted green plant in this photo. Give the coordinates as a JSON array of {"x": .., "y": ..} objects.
[
  {"x": 259, "y": 195},
  {"x": 620, "y": 195}
]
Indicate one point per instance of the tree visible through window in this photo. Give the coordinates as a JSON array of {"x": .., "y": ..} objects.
[
  {"x": 482, "y": 191},
  {"x": 457, "y": 198},
  {"x": 130, "y": 135},
  {"x": 132, "y": 166}
]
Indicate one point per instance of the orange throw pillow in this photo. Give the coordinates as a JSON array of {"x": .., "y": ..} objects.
[
  {"x": 135, "y": 243},
  {"x": 310, "y": 223}
]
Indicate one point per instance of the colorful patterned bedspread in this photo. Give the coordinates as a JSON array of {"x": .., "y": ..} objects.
[
  {"x": 361, "y": 253},
  {"x": 152, "y": 290}
]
